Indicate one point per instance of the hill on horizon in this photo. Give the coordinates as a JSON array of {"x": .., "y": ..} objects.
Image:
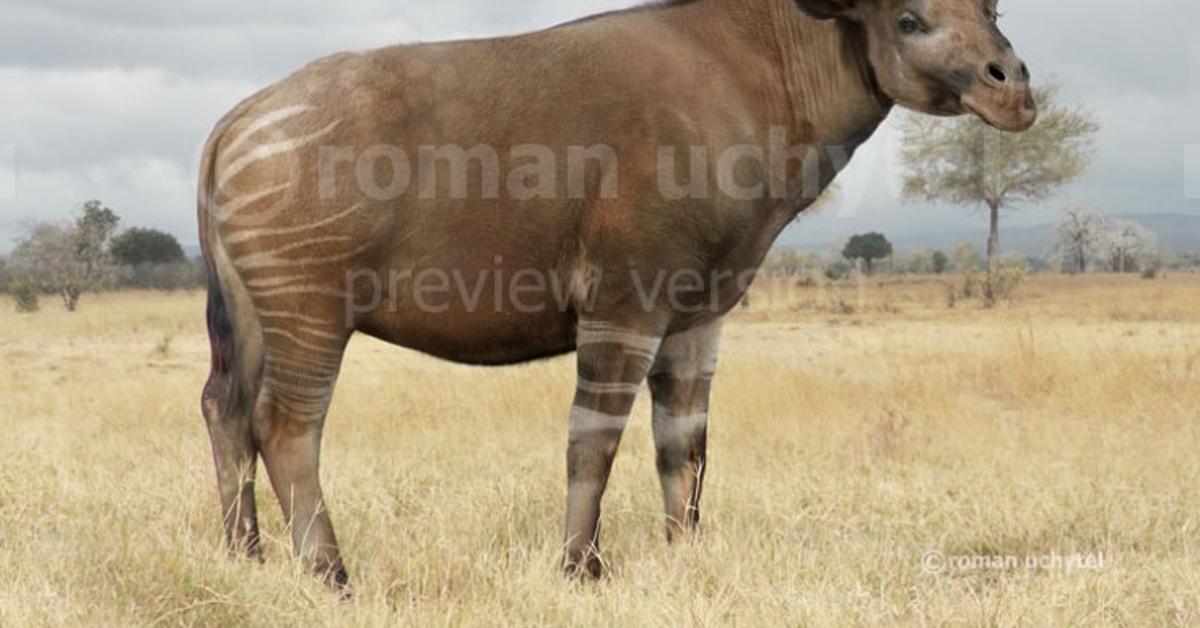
[{"x": 1179, "y": 232}]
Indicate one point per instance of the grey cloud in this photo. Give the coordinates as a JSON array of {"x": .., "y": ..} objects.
[
  {"x": 257, "y": 40},
  {"x": 71, "y": 119},
  {"x": 112, "y": 99}
]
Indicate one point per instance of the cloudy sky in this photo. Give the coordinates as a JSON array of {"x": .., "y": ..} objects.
[{"x": 113, "y": 99}]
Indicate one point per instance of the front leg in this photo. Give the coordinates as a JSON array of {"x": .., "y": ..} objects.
[
  {"x": 613, "y": 362},
  {"x": 680, "y": 383}
]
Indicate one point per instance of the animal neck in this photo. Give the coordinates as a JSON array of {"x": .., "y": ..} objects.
[
  {"x": 817, "y": 81},
  {"x": 827, "y": 76},
  {"x": 809, "y": 77}
]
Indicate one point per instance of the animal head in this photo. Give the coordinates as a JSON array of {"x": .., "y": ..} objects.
[{"x": 943, "y": 57}]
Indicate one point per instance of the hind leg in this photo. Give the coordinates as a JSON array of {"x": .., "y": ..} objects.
[
  {"x": 680, "y": 383},
  {"x": 236, "y": 457},
  {"x": 288, "y": 425}
]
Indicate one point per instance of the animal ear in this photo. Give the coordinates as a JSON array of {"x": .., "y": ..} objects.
[{"x": 827, "y": 9}]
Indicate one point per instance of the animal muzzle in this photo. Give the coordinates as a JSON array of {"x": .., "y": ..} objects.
[{"x": 1002, "y": 96}]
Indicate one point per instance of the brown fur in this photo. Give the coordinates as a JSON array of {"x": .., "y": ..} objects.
[{"x": 710, "y": 73}]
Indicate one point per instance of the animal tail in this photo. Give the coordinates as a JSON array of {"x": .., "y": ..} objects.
[{"x": 234, "y": 334}]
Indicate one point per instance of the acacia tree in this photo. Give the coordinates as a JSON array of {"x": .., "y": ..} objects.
[
  {"x": 867, "y": 247},
  {"x": 72, "y": 258},
  {"x": 963, "y": 161}
]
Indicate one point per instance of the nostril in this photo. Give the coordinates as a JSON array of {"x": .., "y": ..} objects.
[
  {"x": 997, "y": 73},
  {"x": 1024, "y": 72}
]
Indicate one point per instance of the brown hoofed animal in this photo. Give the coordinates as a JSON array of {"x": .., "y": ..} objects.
[{"x": 396, "y": 192}]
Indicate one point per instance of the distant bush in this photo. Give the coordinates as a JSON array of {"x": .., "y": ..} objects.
[
  {"x": 807, "y": 281},
  {"x": 1008, "y": 278},
  {"x": 837, "y": 271},
  {"x": 186, "y": 275},
  {"x": 971, "y": 283},
  {"x": 138, "y": 247},
  {"x": 26, "y": 296},
  {"x": 941, "y": 262},
  {"x": 789, "y": 263},
  {"x": 966, "y": 257}
]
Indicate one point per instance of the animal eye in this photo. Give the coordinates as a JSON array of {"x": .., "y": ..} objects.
[{"x": 909, "y": 24}]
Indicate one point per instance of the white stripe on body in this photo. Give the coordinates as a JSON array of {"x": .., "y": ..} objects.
[
  {"x": 263, "y": 122},
  {"x": 231, "y": 207},
  {"x": 275, "y": 282},
  {"x": 251, "y": 234},
  {"x": 267, "y": 151},
  {"x": 269, "y": 260},
  {"x": 293, "y": 316},
  {"x": 296, "y": 340}
]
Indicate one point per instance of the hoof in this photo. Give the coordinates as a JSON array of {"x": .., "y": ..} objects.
[
  {"x": 337, "y": 579},
  {"x": 586, "y": 567}
]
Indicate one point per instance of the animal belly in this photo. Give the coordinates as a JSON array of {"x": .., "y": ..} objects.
[{"x": 483, "y": 337}]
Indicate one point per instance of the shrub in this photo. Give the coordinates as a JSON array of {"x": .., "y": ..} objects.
[
  {"x": 167, "y": 277},
  {"x": 26, "y": 296},
  {"x": 837, "y": 271},
  {"x": 1008, "y": 278},
  {"x": 940, "y": 262},
  {"x": 971, "y": 283}
]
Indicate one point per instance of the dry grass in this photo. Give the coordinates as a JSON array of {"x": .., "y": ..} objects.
[{"x": 844, "y": 447}]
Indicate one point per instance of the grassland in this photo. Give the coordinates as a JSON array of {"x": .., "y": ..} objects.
[{"x": 856, "y": 437}]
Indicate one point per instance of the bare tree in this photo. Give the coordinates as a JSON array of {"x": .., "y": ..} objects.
[
  {"x": 69, "y": 259},
  {"x": 965, "y": 162},
  {"x": 1126, "y": 242},
  {"x": 1081, "y": 237}
]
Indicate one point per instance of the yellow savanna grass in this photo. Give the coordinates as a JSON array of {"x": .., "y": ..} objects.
[{"x": 857, "y": 439}]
